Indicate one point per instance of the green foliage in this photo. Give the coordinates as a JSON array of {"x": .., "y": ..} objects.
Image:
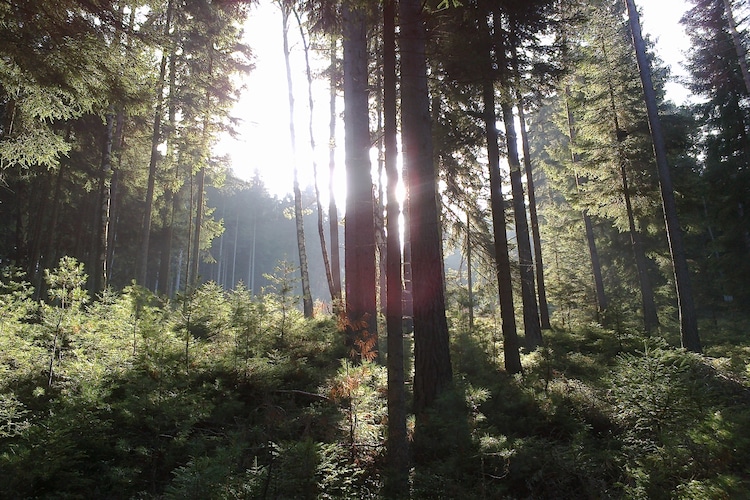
[
  {"x": 66, "y": 283},
  {"x": 594, "y": 415},
  {"x": 360, "y": 389}
]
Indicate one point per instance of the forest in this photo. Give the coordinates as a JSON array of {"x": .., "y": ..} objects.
[{"x": 536, "y": 286}]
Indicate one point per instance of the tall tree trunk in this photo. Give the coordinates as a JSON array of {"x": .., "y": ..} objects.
[
  {"x": 99, "y": 274},
  {"x": 194, "y": 258},
  {"x": 650, "y": 316},
  {"x": 37, "y": 225},
  {"x": 596, "y": 267},
  {"x": 432, "y": 364},
  {"x": 359, "y": 230},
  {"x": 307, "y": 304},
  {"x": 318, "y": 204},
  {"x": 142, "y": 270},
  {"x": 532, "y": 327},
  {"x": 688, "y": 318},
  {"x": 534, "y": 219},
  {"x": 49, "y": 252},
  {"x": 500, "y": 232},
  {"x": 398, "y": 448},
  {"x": 741, "y": 57},
  {"x": 172, "y": 192},
  {"x": 114, "y": 189},
  {"x": 380, "y": 204},
  {"x": 333, "y": 216},
  {"x": 469, "y": 274}
]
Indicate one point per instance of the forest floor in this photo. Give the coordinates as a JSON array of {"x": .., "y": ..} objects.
[{"x": 239, "y": 399}]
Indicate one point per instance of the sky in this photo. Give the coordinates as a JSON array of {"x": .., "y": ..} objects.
[{"x": 264, "y": 145}]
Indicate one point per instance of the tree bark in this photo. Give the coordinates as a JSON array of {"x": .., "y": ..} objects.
[
  {"x": 500, "y": 232},
  {"x": 741, "y": 59},
  {"x": 532, "y": 327},
  {"x": 398, "y": 448},
  {"x": 534, "y": 219},
  {"x": 688, "y": 319},
  {"x": 359, "y": 233},
  {"x": 172, "y": 192},
  {"x": 99, "y": 274},
  {"x": 333, "y": 216},
  {"x": 318, "y": 204},
  {"x": 432, "y": 365},
  {"x": 650, "y": 316},
  {"x": 596, "y": 267},
  {"x": 469, "y": 274},
  {"x": 307, "y": 304},
  {"x": 192, "y": 278},
  {"x": 142, "y": 270}
]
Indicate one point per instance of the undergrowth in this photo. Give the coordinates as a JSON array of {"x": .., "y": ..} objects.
[{"x": 228, "y": 395}]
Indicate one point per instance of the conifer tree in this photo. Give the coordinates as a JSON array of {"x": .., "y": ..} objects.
[
  {"x": 716, "y": 75},
  {"x": 688, "y": 320},
  {"x": 360, "y": 228},
  {"x": 432, "y": 364}
]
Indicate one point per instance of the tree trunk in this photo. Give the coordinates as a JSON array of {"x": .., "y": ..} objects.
[
  {"x": 741, "y": 58},
  {"x": 531, "y": 323},
  {"x": 398, "y": 448},
  {"x": 114, "y": 190},
  {"x": 155, "y": 140},
  {"x": 534, "y": 218},
  {"x": 650, "y": 316},
  {"x": 688, "y": 318},
  {"x": 333, "y": 216},
  {"x": 49, "y": 252},
  {"x": 596, "y": 267},
  {"x": 380, "y": 202},
  {"x": 359, "y": 230},
  {"x": 99, "y": 274},
  {"x": 194, "y": 261},
  {"x": 36, "y": 225},
  {"x": 171, "y": 194},
  {"x": 469, "y": 275},
  {"x": 432, "y": 364},
  {"x": 307, "y": 304},
  {"x": 318, "y": 204},
  {"x": 502, "y": 259}
]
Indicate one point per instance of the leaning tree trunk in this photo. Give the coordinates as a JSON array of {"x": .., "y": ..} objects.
[
  {"x": 650, "y": 316},
  {"x": 532, "y": 327},
  {"x": 359, "y": 256},
  {"x": 397, "y": 444},
  {"x": 307, "y": 304},
  {"x": 432, "y": 364},
  {"x": 534, "y": 219},
  {"x": 318, "y": 204},
  {"x": 688, "y": 319},
  {"x": 502, "y": 259}
]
